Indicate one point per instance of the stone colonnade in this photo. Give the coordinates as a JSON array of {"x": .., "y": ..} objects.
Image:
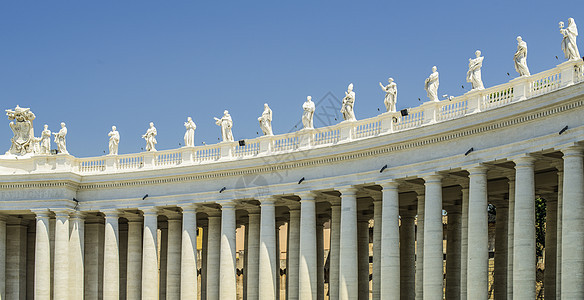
[{"x": 68, "y": 254}]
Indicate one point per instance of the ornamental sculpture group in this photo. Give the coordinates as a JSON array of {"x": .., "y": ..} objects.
[{"x": 24, "y": 142}]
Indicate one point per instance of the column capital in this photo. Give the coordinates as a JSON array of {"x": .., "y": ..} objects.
[
  {"x": 335, "y": 202},
  {"x": 149, "y": 210},
  {"x": 511, "y": 177},
  {"x": 477, "y": 169},
  {"x": 388, "y": 184},
  {"x": 171, "y": 215},
  {"x": 348, "y": 191},
  {"x": 62, "y": 213},
  {"x": 523, "y": 161},
  {"x": 559, "y": 165},
  {"x": 78, "y": 215},
  {"x": 267, "y": 200},
  {"x": 572, "y": 150},
  {"x": 227, "y": 205},
  {"x": 111, "y": 213},
  {"x": 189, "y": 208},
  {"x": 306, "y": 195},
  {"x": 432, "y": 178},
  {"x": 41, "y": 213}
]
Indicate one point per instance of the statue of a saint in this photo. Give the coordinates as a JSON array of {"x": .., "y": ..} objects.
[
  {"x": 60, "y": 139},
  {"x": 474, "y": 71},
  {"x": 226, "y": 123},
  {"x": 569, "y": 45},
  {"x": 348, "y": 104},
  {"x": 46, "y": 140},
  {"x": 431, "y": 85},
  {"x": 150, "y": 137},
  {"x": 520, "y": 58},
  {"x": 390, "y": 95},
  {"x": 22, "y": 128},
  {"x": 266, "y": 120},
  {"x": 190, "y": 133},
  {"x": 114, "y": 141},
  {"x": 308, "y": 113}
]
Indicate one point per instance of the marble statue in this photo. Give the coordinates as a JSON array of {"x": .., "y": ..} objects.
[
  {"x": 114, "y": 141},
  {"x": 190, "y": 133},
  {"x": 308, "y": 113},
  {"x": 60, "y": 139},
  {"x": 431, "y": 85},
  {"x": 348, "y": 104},
  {"x": 226, "y": 124},
  {"x": 520, "y": 58},
  {"x": 150, "y": 137},
  {"x": 22, "y": 128},
  {"x": 390, "y": 95},
  {"x": 569, "y": 45},
  {"x": 266, "y": 120},
  {"x": 474, "y": 71},
  {"x": 45, "y": 140}
]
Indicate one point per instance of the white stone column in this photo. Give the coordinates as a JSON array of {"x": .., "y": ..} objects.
[
  {"x": 363, "y": 255},
  {"x": 16, "y": 238},
  {"x": 76, "y": 252},
  {"x": 464, "y": 240},
  {"x": 134, "y": 261},
  {"x": 150, "y": 254},
  {"x": 524, "y": 242},
  {"x": 320, "y": 259},
  {"x": 334, "y": 249},
  {"x": 501, "y": 253},
  {"x": 111, "y": 265},
  {"x": 453, "y": 253},
  {"x": 162, "y": 242},
  {"x": 573, "y": 221},
  {"x": 213, "y": 256},
  {"x": 93, "y": 260},
  {"x": 253, "y": 255},
  {"x": 549, "y": 281},
  {"x": 433, "y": 253},
  {"x": 560, "y": 168},
  {"x": 307, "y": 247},
  {"x": 123, "y": 242},
  {"x": 348, "y": 266},
  {"x": 188, "y": 258},
  {"x": 61, "y": 268},
  {"x": 390, "y": 249},
  {"x": 478, "y": 242},
  {"x": 377, "y": 225},
  {"x": 511, "y": 239},
  {"x": 42, "y": 257},
  {"x": 227, "y": 276},
  {"x": 268, "y": 261},
  {"x": 173, "y": 257},
  {"x": 407, "y": 264},
  {"x": 2, "y": 257},
  {"x": 204, "y": 254},
  {"x": 292, "y": 255},
  {"x": 419, "y": 284}
]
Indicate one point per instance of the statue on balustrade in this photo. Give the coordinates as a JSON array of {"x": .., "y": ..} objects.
[
  {"x": 266, "y": 120},
  {"x": 473, "y": 75},
  {"x": 308, "y": 113},
  {"x": 569, "y": 45},
  {"x": 45, "y": 140},
  {"x": 520, "y": 58},
  {"x": 60, "y": 139},
  {"x": 390, "y": 95},
  {"x": 150, "y": 137},
  {"x": 22, "y": 128},
  {"x": 190, "y": 133},
  {"x": 114, "y": 141},
  {"x": 226, "y": 124},
  {"x": 348, "y": 104},
  {"x": 431, "y": 85}
]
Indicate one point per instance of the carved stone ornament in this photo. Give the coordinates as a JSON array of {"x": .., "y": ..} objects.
[{"x": 21, "y": 125}]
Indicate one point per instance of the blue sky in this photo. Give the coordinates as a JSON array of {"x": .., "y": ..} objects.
[{"x": 126, "y": 63}]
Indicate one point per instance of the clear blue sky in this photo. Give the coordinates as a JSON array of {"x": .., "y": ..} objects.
[{"x": 93, "y": 64}]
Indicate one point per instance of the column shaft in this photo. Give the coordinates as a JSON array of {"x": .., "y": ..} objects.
[
  {"x": 16, "y": 261},
  {"x": 420, "y": 247},
  {"x": 478, "y": 244},
  {"x": 93, "y": 261},
  {"x": 213, "y": 257},
  {"x": 319, "y": 261},
  {"x": 76, "y": 252},
  {"x": 573, "y": 220},
  {"x": 111, "y": 265},
  {"x": 464, "y": 242},
  {"x": 307, "y": 252},
  {"x": 42, "y": 267},
  {"x": 559, "y": 232},
  {"x": 188, "y": 258},
  {"x": 511, "y": 239},
  {"x": 363, "y": 256},
  {"x": 268, "y": 260},
  {"x": 61, "y": 267},
  {"x": 150, "y": 255},
  {"x": 501, "y": 243},
  {"x": 334, "y": 250},
  {"x": 2, "y": 257},
  {"x": 134, "y": 261},
  {"x": 407, "y": 236},
  {"x": 524, "y": 238},
  {"x": 377, "y": 228},
  {"x": 453, "y": 254},
  {"x": 227, "y": 275},
  {"x": 390, "y": 248},
  {"x": 173, "y": 259},
  {"x": 549, "y": 281},
  {"x": 433, "y": 253},
  {"x": 253, "y": 255},
  {"x": 348, "y": 265}
]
